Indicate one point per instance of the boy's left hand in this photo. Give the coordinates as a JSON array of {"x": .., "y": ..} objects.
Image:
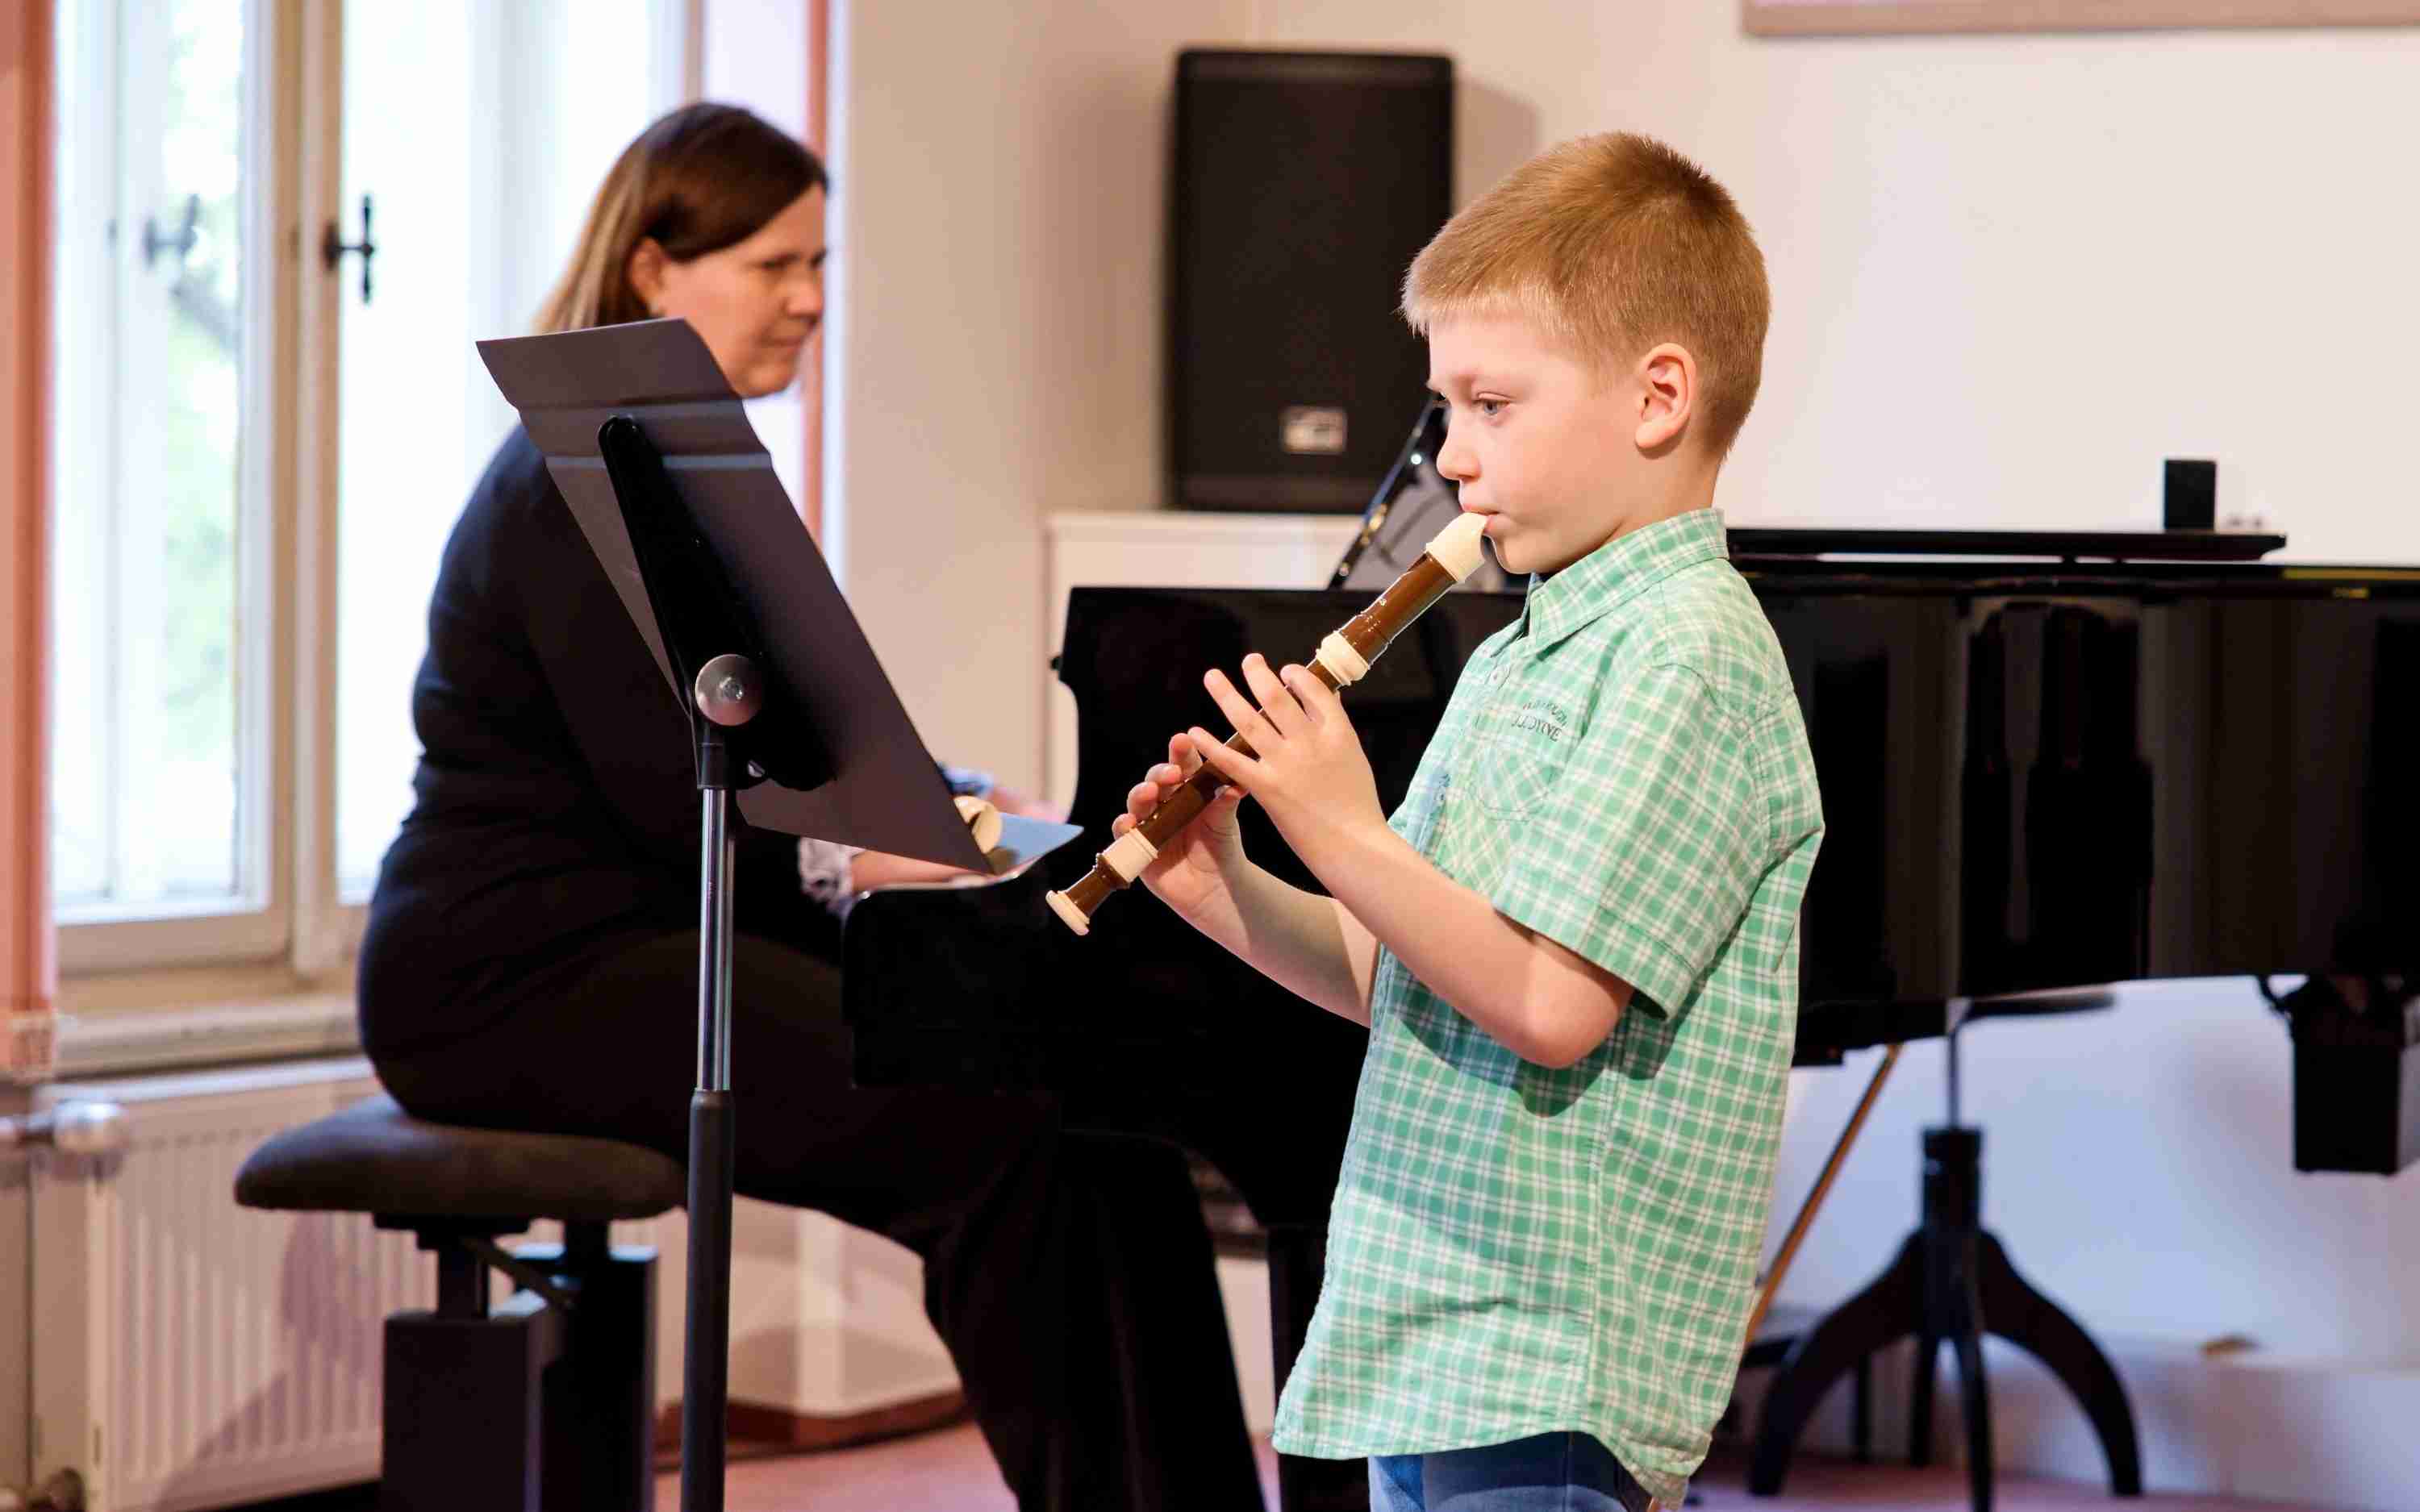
[{"x": 1310, "y": 771}]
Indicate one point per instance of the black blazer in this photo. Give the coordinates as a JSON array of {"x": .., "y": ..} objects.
[{"x": 557, "y": 808}]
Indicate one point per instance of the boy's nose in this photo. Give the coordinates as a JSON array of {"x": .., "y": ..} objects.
[{"x": 1455, "y": 461}]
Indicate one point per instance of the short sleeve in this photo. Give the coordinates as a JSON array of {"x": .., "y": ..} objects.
[{"x": 1643, "y": 856}]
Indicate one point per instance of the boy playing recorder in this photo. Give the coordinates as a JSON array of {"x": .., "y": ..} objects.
[{"x": 1576, "y": 942}]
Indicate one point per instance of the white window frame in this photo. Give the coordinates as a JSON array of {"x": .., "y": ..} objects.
[
  {"x": 295, "y": 932},
  {"x": 255, "y": 924}
]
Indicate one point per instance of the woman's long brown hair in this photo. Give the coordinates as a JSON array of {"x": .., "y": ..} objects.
[{"x": 697, "y": 180}]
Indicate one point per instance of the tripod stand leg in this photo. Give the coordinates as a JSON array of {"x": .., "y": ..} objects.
[
  {"x": 2016, "y": 1312},
  {"x": 1888, "y": 1309},
  {"x": 1975, "y": 1394},
  {"x": 1919, "y": 1396}
]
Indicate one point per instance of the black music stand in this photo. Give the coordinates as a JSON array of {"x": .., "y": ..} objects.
[
  {"x": 1413, "y": 502},
  {"x": 788, "y": 708}
]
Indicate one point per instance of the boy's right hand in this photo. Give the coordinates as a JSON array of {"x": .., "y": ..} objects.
[{"x": 1194, "y": 870}]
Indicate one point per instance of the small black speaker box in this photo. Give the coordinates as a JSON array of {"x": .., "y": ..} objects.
[
  {"x": 2189, "y": 494},
  {"x": 1304, "y": 185}
]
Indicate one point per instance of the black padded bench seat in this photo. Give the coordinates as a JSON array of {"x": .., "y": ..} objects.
[
  {"x": 544, "y": 1402},
  {"x": 374, "y": 1157}
]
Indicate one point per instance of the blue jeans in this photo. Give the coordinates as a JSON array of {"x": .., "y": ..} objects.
[{"x": 1549, "y": 1473}]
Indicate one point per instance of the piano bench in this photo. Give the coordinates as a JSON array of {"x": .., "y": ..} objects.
[{"x": 474, "y": 1408}]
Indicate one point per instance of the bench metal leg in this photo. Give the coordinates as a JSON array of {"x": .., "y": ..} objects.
[
  {"x": 462, "y": 1407},
  {"x": 600, "y": 1394}
]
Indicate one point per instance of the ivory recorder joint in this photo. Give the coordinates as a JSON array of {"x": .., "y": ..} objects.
[{"x": 1343, "y": 660}]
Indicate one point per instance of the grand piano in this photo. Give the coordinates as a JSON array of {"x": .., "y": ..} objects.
[{"x": 2055, "y": 765}]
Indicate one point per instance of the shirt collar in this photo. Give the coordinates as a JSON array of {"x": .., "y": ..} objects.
[{"x": 1620, "y": 570}]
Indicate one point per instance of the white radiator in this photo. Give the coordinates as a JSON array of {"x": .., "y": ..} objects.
[{"x": 188, "y": 1353}]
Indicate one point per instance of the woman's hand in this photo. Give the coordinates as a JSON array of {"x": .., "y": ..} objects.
[
  {"x": 1308, "y": 768},
  {"x": 1009, "y": 801},
  {"x": 881, "y": 869},
  {"x": 1194, "y": 872}
]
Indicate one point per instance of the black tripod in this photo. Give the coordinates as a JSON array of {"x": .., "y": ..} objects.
[{"x": 1950, "y": 1282}]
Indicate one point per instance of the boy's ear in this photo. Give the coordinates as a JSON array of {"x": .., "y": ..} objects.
[{"x": 1667, "y": 396}]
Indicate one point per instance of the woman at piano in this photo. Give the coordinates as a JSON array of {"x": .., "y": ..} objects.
[{"x": 531, "y": 956}]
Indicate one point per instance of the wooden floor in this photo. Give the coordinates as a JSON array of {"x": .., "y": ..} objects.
[{"x": 948, "y": 1471}]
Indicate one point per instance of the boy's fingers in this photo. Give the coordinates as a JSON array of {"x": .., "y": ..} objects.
[
  {"x": 1237, "y": 767},
  {"x": 1239, "y": 710},
  {"x": 1318, "y": 700},
  {"x": 1276, "y": 706}
]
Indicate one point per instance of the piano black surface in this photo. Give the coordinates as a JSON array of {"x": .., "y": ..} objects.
[{"x": 2034, "y": 775}]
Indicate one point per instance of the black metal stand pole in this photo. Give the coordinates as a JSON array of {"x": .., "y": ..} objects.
[
  {"x": 728, "y": 692},
  {"x": 706, "y": 1368},
  {"x": 707, "y": 641}
]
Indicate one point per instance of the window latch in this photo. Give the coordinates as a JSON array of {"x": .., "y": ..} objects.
[
  {"x": 181, "y": 241},
  {"x": 333, "y": 247}
]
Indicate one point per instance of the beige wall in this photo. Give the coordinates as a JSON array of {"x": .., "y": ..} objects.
[{"x": 995, "y": 341}]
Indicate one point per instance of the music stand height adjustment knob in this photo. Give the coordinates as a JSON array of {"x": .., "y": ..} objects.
[{"x": 729, "y": 691}]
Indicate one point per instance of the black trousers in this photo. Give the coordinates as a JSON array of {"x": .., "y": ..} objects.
[{"x": 1070, "y": 1275}]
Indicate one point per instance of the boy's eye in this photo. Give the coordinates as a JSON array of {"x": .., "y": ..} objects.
[{"x": 1490, "y": 408}]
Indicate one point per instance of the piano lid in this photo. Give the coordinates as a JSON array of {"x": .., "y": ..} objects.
[{"x": 2067, "y": 546}]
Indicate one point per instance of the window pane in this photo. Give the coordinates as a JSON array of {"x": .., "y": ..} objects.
[
  {"x": 480, "y": 132},
  {"x": 150, "y": 747}
]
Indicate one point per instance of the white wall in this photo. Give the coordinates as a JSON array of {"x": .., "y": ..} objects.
[
  {"x": 754, "y": 54},
  {"x": 2012, "y": 272},
  {"x": 996, "y": 335}
]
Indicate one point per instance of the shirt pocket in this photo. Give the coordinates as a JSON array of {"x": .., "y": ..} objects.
[{"x": 1516, "y": 770}]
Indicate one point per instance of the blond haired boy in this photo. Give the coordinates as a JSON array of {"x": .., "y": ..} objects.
[{"x": 1576, "y": 943}]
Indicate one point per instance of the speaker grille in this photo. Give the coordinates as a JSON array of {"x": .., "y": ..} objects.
[{"x": 1304, "y": 185}]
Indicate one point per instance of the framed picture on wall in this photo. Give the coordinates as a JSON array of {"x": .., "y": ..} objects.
[{"x": 1816, "y": 18}]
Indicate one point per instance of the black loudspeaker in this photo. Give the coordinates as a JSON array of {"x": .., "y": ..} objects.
[
  {"x": 1304, "y": 185},
  {"x": 2189, "y": 494}
]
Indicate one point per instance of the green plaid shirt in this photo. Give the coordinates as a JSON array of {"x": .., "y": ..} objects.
[{"x": 1515, "y": 1250}]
